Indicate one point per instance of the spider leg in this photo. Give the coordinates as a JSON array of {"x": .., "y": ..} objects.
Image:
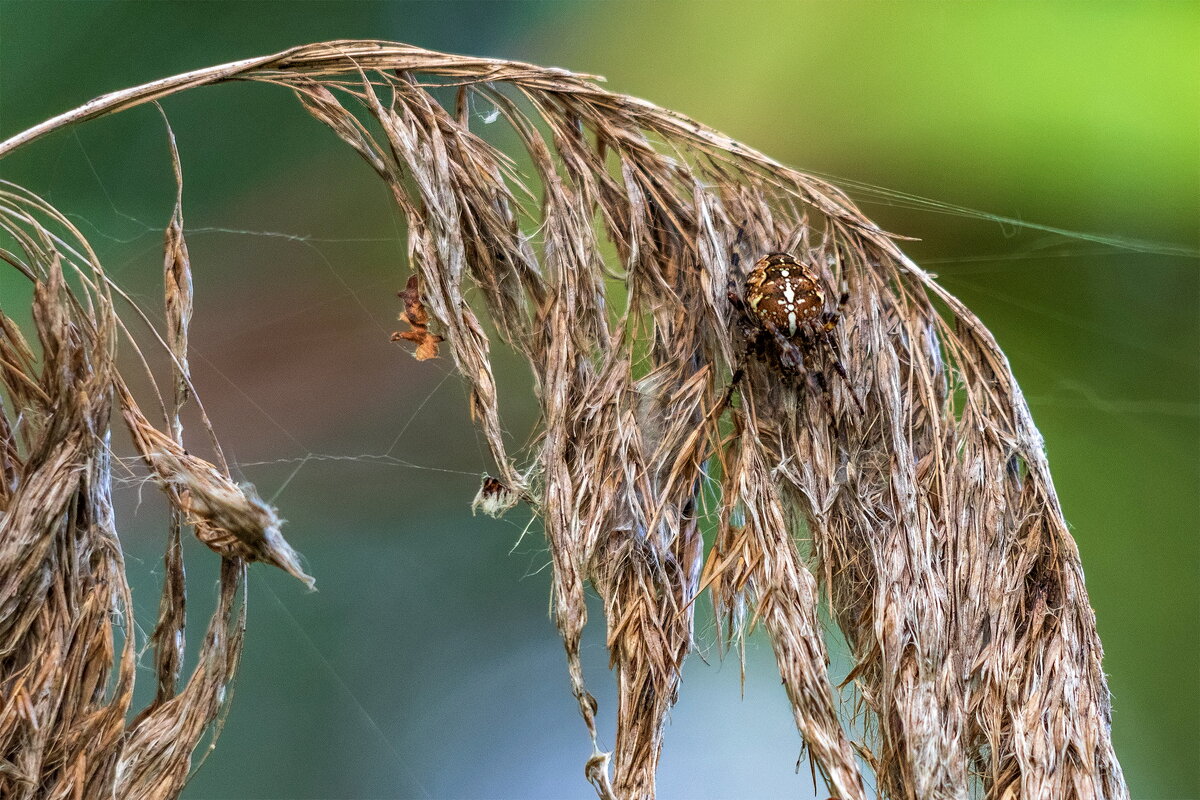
[
  {"x": 840, "y": 368},
  {"x": 818, "y": 379},
  {"x": 737, "y": 301},
  {"x": 807, "y": 346},
  {"x": 735, "y": 258},
  {"x": 790, "y": 356},
  {"x": 830, "y": 319},
  {"x": 738, "y": 375},
  {"x": 751, "y": 344}
]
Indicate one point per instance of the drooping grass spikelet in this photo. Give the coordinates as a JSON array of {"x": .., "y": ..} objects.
[{"x": 604, "y": 251}]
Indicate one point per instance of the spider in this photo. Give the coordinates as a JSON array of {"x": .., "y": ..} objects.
[{"x": 784, "y": 319}]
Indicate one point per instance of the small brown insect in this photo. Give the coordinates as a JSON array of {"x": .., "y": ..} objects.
[{"x": 494, "y": 497}]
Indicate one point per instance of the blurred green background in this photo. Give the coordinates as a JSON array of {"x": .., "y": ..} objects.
[{"x": 426, "y": 665}]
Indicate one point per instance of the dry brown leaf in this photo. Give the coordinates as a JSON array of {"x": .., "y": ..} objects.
[{"x": 417, "y": 317}]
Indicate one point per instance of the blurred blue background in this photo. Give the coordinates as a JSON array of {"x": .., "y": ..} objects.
[{"x": 426, "y": 665}]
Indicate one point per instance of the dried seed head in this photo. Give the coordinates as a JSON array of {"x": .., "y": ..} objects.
[{"x": 948, "y": 571}]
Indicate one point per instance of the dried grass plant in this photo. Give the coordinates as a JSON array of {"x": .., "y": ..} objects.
[{"x": 933, "y": 525}]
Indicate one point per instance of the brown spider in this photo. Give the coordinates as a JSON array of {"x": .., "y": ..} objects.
[{"x": 785, "y": 321}]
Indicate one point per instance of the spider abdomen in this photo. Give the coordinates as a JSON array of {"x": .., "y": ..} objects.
[{"x": 784, "y": 294}]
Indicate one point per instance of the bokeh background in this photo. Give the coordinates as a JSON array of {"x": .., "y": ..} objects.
[{"x": 426, "y": 665}]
